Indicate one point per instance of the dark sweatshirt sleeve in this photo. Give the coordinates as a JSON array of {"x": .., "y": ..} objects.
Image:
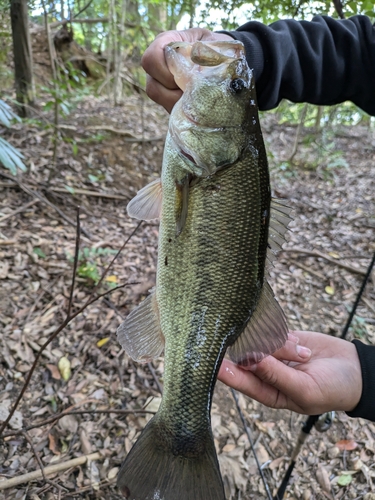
[
  {"x": 323, "y": 61},
  {"x": 366, "y": 405}
]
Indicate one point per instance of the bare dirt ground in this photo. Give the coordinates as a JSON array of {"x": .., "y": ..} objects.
[{"x": 334, "y": 214}]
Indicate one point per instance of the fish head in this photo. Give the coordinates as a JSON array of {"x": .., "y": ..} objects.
[{"x": 210, "y": 124}]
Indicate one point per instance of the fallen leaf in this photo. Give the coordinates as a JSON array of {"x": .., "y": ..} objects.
[
  {"x": 334, "y": 255},
  {"x": 53, "y": 444},
  {"x": 64, "y": 367},
  {"x": 102, "y": 342},
  {"x": 275, "y": 463},
  {"x": 347, "y": 444},
  {"x": 16, "y": 420},
  {"x": 112, "y": 473},
  {"x": 68, "y": 423},
  {"x": 330, "y": 290},
  {"x": 54, "y": 371},
  {"x": 85, "y": 443},
  {"x": 112, "y": 279},
  {"x": 323, "y": 479},
  {"x": 344, "y": 479}
]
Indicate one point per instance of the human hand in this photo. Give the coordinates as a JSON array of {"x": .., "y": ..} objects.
[
  {"x": 161, "y": 86},
  {"x": 328, "y": 378}
]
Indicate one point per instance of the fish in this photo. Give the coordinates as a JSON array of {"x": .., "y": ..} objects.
[{"x": 218, "y": 231}]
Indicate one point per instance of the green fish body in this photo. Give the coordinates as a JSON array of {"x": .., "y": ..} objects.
[{"x": 214, "y": 204}]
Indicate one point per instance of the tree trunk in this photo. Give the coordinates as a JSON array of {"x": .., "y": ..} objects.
[{"x": 22, "y": 54}]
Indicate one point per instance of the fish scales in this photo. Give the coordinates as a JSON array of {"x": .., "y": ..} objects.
[
  {"x": 209, "y": 285},
  {"x": 214, "y": 204}
]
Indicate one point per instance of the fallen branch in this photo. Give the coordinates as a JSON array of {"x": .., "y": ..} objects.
[
  {"x": 19, "y": 210},
  {"x": 320, "y": 255},
  {"x": 97, "y": 194},
  {"x": 87, "y": 192},
  {"x": 7, "y": 242},
  {"x": 126, "y": 133},
  {"x": 48, "y": 471},
  {"x": 308, "y": 270},
  {"x": 44, "y": 200}
]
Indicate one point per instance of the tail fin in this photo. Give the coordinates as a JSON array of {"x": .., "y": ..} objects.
[{"x": 152, "y": 472}]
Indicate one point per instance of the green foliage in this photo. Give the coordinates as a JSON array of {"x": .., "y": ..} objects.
[
  {"x": 67, "y": 91},
  {"x": 10, "y": 157},
  {"x": 89, "y": 260},
  {"x": 39, "y": 252}
]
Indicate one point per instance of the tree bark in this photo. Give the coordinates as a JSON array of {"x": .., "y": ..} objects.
[{"x": 23, "y": 67}]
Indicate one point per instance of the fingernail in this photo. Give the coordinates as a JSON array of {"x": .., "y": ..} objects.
[
  {"x": 293, "y": 338},
  {"x": 229, "y": 371},
  {"x": 252, "y": 368},
  {"x": 303, "y": 352}
]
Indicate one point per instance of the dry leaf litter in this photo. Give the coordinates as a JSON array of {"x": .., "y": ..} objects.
[{"x": 85, "y": 369}]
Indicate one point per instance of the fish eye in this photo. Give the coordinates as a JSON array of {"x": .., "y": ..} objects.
[{"x": 237, "y": 84}]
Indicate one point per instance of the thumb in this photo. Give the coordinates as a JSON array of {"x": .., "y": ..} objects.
[{"x": 291, "y": 383}]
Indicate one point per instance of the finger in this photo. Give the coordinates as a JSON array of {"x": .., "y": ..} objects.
[
  {"x": 250, "y": 385},
  {"x": 153, "y": 60},
  {"x": 295, "y": 384},
  {"x": 161, "y": 95},
  {"x": 292, "y": 351}
]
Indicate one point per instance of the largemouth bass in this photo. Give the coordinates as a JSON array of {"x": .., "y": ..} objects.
[{"x": 211, "y": 294}]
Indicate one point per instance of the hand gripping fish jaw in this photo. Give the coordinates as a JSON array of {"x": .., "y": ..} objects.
[{"x": 218, "y": 233}]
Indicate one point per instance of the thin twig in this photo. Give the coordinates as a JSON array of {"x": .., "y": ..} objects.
[
  {"x": 251, "y": 444},
  {"x": 126, "y": 133},
  {"x": 53, "y": 419},
  {"x": 309, "y": 270},
  {"x": 298, "y": 133},
  {"x": 75, "y": 262},
  {"x": 19, "y": 210},
  {"x": 316, "y": 253},
  {"x": 115, "y": 257},
  {"x": 87, "y": 192},
  {"x": 44, "y": 200},
  {"x": 37, "y": 457}
]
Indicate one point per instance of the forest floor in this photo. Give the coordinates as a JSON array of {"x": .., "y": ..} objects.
[{"x": 330, "y": 186}]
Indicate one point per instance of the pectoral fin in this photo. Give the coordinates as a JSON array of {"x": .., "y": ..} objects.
[
  {"x": 140, "y": 334},
  {"x": 146, "y": 204},
  {"x": 265, "y": 333},
  {"x": 184, "y": 189}
]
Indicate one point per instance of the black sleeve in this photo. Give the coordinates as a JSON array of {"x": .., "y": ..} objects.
[
  {"x": 323, "y": 61},
  {"x": 366, "y": 405}
]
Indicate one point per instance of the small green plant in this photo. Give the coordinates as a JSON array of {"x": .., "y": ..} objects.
[
  {"x": 89, "y": 262},
  {"x": 10, "y": 157}
]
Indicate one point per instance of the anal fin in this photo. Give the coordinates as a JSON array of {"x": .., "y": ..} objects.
[
  {"x": 265, "y": 333},
  {"x": 146, "y": 204},
  {"x": 140, "y": 334}
]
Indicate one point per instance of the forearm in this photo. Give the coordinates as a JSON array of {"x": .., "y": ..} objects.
[{"x": 323, "y": 62}]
